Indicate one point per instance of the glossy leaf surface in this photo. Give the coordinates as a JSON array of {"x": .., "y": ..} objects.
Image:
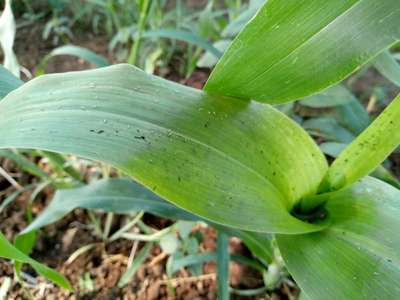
[
  {"x": 152, "y": 128},
  {"x": 292, "y": 49},
  {"x": 357, "y": 257}
]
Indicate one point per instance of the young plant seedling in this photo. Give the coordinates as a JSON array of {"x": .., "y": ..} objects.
[{"x": 239, "y": 162}]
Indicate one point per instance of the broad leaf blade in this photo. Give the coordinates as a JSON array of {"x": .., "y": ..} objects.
[
  {"x": 357, "y": 257},
  {"x": 367, "y": 151},
  {"x": 292, "y": 49},
  {"x": 185, "y": 145}
]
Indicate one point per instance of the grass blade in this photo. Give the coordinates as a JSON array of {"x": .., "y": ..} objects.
[
  {"x": 7, "y": 250},
  {"x": 292, "y": 49},
  {"x": 138, "y": 260},
  {"x": 367, "y": 151}
]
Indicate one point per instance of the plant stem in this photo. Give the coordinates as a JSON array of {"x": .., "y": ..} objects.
[
  {"x": 126, "y": 227},
  {"x": 223, "y": 266},
  {"x": 144, "y": 8},
  {"x": 147, "y": 237},
  {"x": 107, "y": 225},
  {"x": 95, "y": 223}
]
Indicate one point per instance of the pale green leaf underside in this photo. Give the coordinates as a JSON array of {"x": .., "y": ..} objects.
[
  {"x": 241, "y": 164},
  {"x": 387, "y": 65},
  {"x": 7, "y": 250},
  {"x": 292, "y": 49},
  {"x": 122, "y": 195},
  {"x": 334, "y": 96},
  {"x": 368, "y": 150},
  {"x": 357, "y": 257}
]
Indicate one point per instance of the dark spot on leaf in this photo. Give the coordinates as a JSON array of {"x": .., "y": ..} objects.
[
  {"x": 97, "y": 131},
  {"x": 140, "y": 137}
]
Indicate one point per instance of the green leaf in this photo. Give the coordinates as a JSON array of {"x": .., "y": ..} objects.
[
  {"x": 7, "y": 250},
  {"x": 185, "y": 36},
  {"x": 9, "y": 199},
  {"x": 386, "y": 64},
  {"x": 169, "y": 243},
  {"x": 292, "y": 49},
  {"x": 367, "y": 151},
  {"x": 258, "y": 243},
  {"x": 334, "y": 150},
  {"x": 60, "y": 165},
  {"x": 8, "y": 82},
  {"x": 200, "y": 258},
  {"x": 72, "y": 50},
  {"x": 24, "y": 163},
  {"x": 223, "y": 266},
  {"x": 357, "y": 257},
  {"x": 329, "y": 129},
  {"x": 234, "y": 27},
  {"x": 25, "y": 244},
  {"x": 209, "y": 60},
  {"x": 334, "y": 96},
  {"x": 353, "y": 116},
  {"x": 121, "y": 196},
  {"x": 131, "y": 270},
  {"x": 151, "y": 128}
]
